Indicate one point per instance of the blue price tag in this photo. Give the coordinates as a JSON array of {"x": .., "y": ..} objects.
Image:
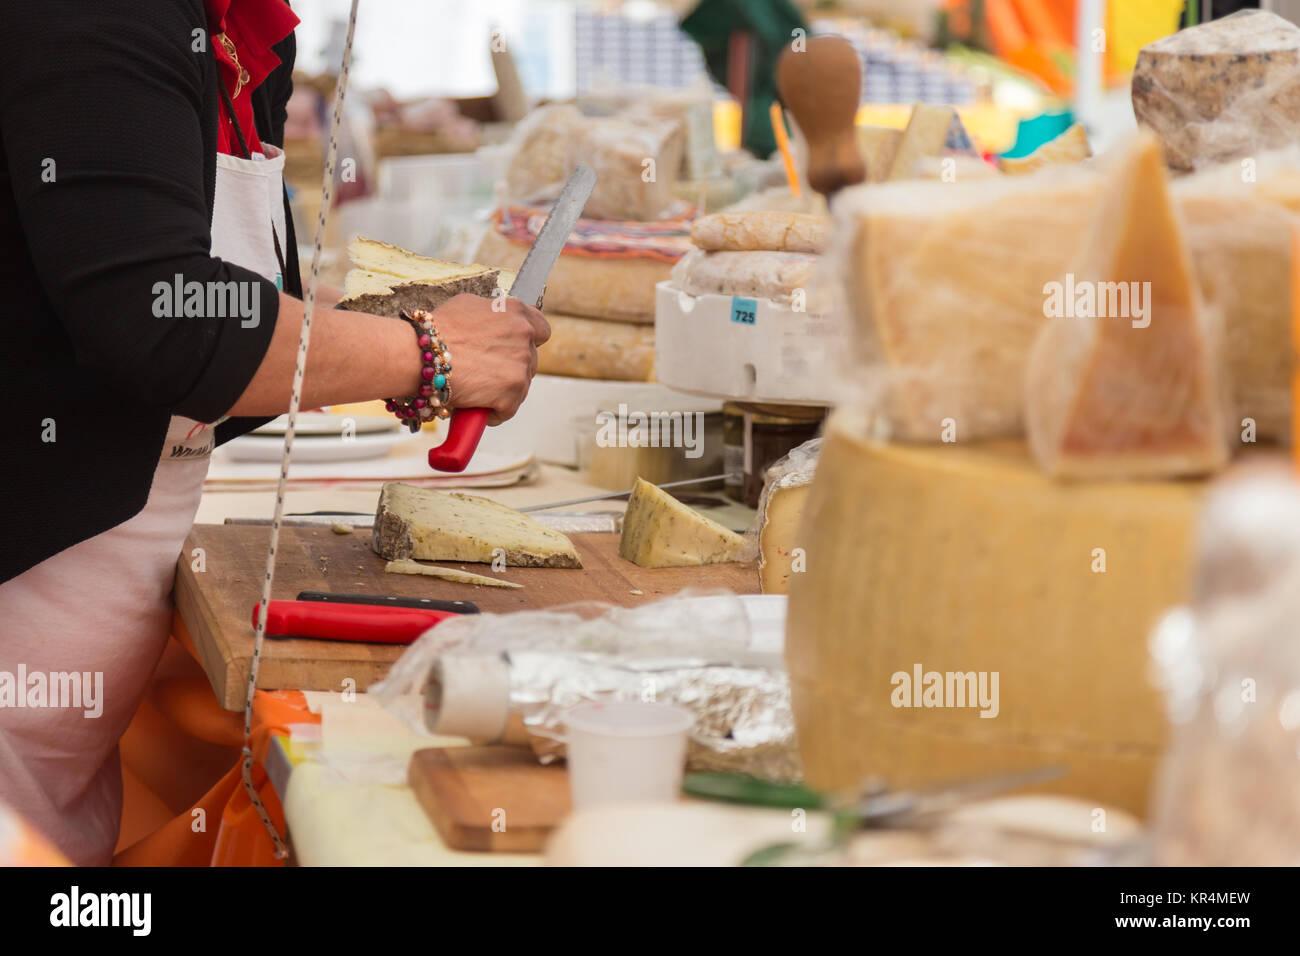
[{"x": 744, "y": 311}]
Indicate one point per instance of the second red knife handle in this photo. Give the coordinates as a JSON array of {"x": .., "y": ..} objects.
[
  {"x": 348, "y": 622},
  {"x": 463, "y": 434}
]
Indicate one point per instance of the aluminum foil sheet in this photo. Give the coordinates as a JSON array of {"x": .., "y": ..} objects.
[
  {"x": 743, "y": 719},
  {"x": 692, "y": 650}
]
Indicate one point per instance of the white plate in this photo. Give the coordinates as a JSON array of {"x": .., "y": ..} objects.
[
  {"x": 328, "y": 425},
  {"x": 331, "y": 447}
]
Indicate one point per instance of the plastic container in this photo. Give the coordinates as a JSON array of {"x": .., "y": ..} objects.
[{"x": 625, "y": 751}]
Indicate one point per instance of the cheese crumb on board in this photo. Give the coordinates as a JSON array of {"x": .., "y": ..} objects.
[
  {"x": 1129, "y": 392},
  {"x": 448, "y": 526},
  {"x": 661, "y": 532},
  {"x": 407, "y": 566}
]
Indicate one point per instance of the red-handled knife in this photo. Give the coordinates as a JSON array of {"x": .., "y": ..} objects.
[
  {"x": 348, "y": 622},
  {"x": 465, "y": 428}
]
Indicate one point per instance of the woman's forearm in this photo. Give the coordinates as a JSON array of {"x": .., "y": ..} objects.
[{"x": 353, "y": 357}]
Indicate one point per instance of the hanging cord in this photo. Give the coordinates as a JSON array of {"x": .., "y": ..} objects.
[{"x": 304, "y": 339}]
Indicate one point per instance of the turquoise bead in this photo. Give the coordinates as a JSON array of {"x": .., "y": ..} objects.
[{"x": 440, "y": 381}]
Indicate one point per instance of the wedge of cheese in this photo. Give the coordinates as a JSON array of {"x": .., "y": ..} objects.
[
  {"x": 1070, "y": 147},
  {"x": 878, "y": 145},
  {"x": 1129, "y": 392},
  {"x": 931, "y": 131},
  {"x": 448, "y": 526},
  {"x": 661, "y": 532},
  {"x": 371, "y": 255},
  {"x": 781, "y": 550},
  {"x": 387, "y": 279}
]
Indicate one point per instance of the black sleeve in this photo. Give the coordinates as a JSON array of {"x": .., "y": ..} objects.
[{"x": 102, "y": 117}]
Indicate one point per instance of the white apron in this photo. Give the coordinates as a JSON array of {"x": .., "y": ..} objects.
[{"x": 102, "y": 608}]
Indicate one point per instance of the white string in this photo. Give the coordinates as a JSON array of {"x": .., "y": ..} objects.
[{"x": 304, "y": 339}]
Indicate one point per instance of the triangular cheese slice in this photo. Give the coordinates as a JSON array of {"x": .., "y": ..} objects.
[
  {"x": 661, "y": 532},
  {"x": 371, "y": 255},
  {"x": 1130, "y": 390}
]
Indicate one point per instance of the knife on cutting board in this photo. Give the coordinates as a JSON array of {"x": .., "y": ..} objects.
[
  {"x": 348, "y": 622},
  {"x": 465, "y": 429}
]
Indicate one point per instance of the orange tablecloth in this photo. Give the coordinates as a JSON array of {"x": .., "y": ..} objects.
[{"x": 185, "y": 803}]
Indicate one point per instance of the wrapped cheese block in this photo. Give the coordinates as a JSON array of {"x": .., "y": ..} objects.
[
  {"x": 745, "y": 231},
  {"x": 945, "y": 286},
  {"x": 539, "y": 148},
  {"x": 1225, "y": 89},
  {"x": 594, "y": 348},
  {"x": 780, "y": 513},
  {"x": 1239, "y": 229},
  {"x": 756, "y": 275},
  {"x": 637, "y": 165},
  {"x": 1124, "y": 381}
]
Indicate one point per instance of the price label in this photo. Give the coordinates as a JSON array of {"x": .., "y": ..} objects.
[{"x": 744, "y": 311}]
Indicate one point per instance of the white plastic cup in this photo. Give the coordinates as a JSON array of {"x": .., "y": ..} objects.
[{"x": 625, "y": 751}]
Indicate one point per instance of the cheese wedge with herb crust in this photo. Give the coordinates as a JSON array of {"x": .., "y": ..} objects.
[
  {"x": 661, "y": 532},
  {"x": 447, "y": 526}
]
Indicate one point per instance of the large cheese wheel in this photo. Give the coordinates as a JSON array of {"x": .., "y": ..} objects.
[{"x": 967, "y": 558}]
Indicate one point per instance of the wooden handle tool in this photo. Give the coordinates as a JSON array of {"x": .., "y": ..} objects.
[{"x": 820, "y": 86}]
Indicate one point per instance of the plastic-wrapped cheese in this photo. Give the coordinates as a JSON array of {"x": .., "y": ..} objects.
[
  {"x": 1225, "y": 89},
  {"x": 944, "y": 282},
  {"x": 756, "y": 275},
  {"x": 1239, "y": 230}
]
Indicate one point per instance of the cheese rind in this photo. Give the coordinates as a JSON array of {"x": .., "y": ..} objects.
[
  {"x": 750, "y": 230},
  {"x": 448, "y": 526},
  {"x": 407, "y": 566},
  {"x": 1129, "y": 392},
  {"x": 410, "y": 296},
  {"x": 780, "y": 514},
  {"x": 593, "y": 348},
  {"x": 388, "y": 280},
  {"x": 967, "y": 558},
  {"x": 619, "y": 289},
  {"x": 1225, "y": 89},
  {"x": 661, "y": 532},
  {"x": 1240, "y": 237}
]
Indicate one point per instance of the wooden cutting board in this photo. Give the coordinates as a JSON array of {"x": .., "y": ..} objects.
[
  {"x": 219, "y": 578},
  {"x": 490, "y": 798}
]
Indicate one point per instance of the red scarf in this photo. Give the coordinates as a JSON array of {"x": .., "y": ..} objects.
[{"x": 254, "y": 26}]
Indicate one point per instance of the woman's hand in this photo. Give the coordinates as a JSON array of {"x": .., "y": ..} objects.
[{"x": 493, "y": 353}]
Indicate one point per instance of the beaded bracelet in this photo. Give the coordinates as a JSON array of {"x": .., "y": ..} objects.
[{"x": 434, "y": 398}]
